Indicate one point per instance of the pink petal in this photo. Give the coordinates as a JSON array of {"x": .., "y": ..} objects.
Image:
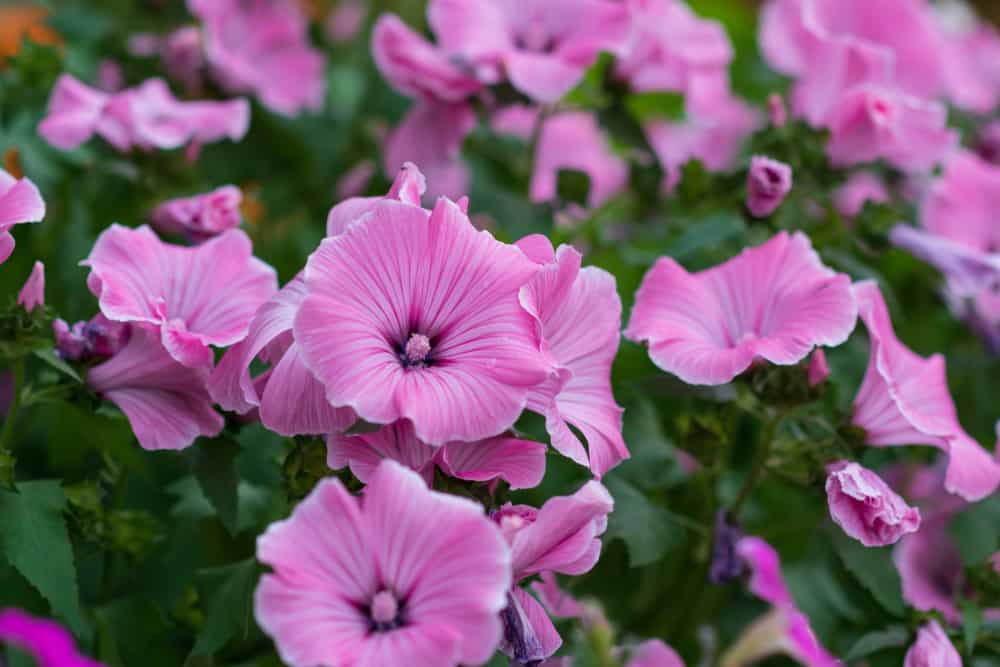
[
  {"x": 557, "y": 602},
  {"x": 766, "y": 581},
  {"x": 431, "y": 136},
  {"x": 521, "y": 463},
  {"x": 654, "y": 653},
  {"x": 541, "y": 625},
  {"x": 44, "y": 640},
  {"x": 365, "y": 451},
  {"x": 32, "y": 295},
  {"x": 73, "y": 113},
  {"x": 866, "y": 508},
  {"x": 932, "y": 648},
  {"x": 543, "y": 77},
  {"x": 930, "y": 569}
]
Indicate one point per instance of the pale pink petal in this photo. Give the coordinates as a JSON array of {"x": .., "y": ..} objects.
[
  {"x": 932, "y": 648},
  {"x": 73, "y": 113},
  {"x": 654, "y": 653},
  {"x": 861, "y": 187},
  {"x": 961, "y": 203},
  {"x": 294, "y": 402},
  {"x": 32, "y": 295},
  {"x": 20, "y": 201},
  {"x": 930, "y": 569},
  {"x": 363, "y": 452},
  {"x": 766, "y": 581},
  {"x": 866, "y": 508},
  {"x": 409, "y": 187},
  {"x": 472, "y": 27},
  {"x": 430, "y": 644},
  {"x": 540, "y": 76},
  {"x": 520, "y": 463}
]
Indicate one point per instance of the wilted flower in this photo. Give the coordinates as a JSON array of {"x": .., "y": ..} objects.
[{"x": 866, "y": 508}]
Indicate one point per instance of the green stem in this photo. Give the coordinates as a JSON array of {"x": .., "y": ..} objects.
[
  {"x": 759, "y": 465},
  {"x": 7, "y": 435}
]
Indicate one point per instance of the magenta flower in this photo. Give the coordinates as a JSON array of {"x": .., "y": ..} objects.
[
  {"x": 654, "y": 653},
  {"x": 932, "y": 649},
  {"x": 971, "y": 51},
  {"x": 75, "y": 113},
  {"x": 961, "y": 204},
  {"x": 428, "y": 327},
  {"x": 262, "y": 47},
  {"x": 99, "y": 338},
  {"x": 520, "y": 463},
  {"x": 407, "y": 576},
  {"x": 200, "y": 217},
  {"x": 289, "y": 400},
  {"x": 861, "y": 187},
  {"x": 44, "y": 640},
  {"x": 408, "y": 187},
  {"x": 578, "y": 317},
  {"x": 768, "y": 183},
  {"x": 930, "y": 568},
  {"x": 904, "y": 400},
  {"x": 20, "y": 202},
  {"x": 167, "y": 404},
  {"x": 542, "y": 47},
  {"x": 775, "y": 302},
  {"x": 32, "y": 294},
  {"x": 866, "y": 508},
  {"x": 431, "y": 135},
  {"x": 196, "y": 297}
]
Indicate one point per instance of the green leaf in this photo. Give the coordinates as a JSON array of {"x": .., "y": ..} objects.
[
  {"x": 132, "y": 631},
  {"x": 34, "y": 540},
  {"x": 648, "y": 530},
  {"x": 214, "y": 464},
  {"x": 227, "y": 594},
  {"x": 656, "y": 104},
  {"x": 573, "y": 186},
  {"x": 974, "y": 531},
  {"x": 874, "y": 569},
  {"x": 972, "y": 621},
  {"x": 873, "y": 642},
  {"x": 48, "y": 355},
  {"x": 706, "y": 233}
]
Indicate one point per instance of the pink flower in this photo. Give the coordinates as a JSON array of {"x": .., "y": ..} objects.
[
  {"x": 414, "y": 66},
  {"x": 200, "y": 217},
  {"x": 520, "y": 463},
  {"x": 45, "y": 641},
  {"x": 904, "y": 400},
  {"x": 574, "y": 141},
  {"x": 818, "y": 369},
  {"x": 961, "y": 204},
  {"x": 971, "y": 50},
  {"x": 872, "y": 122},
  {"x": 431, "y": 136},
  {"x": 654, "y": 653},
  {"x": 930, "y": 568},
  {"x": 578, "y": 317},
  {"x": 407, "y": 576},
  {"x": 262, "y": 47},
  {"x": 166, "y": 403},
  {"x": 557, "y": 602},
  {"x": 75, "y": 113},
  {"x": 110, "y": 77},
  {"x": 861, "y": 187},
  {"x": 425, "y": 314},
  {"x": 184, "y": 57},
  {"x": 866, "y": 508},
  {"x": 355, "y": 180},
  {"x": 784, "y": 629},
  {"x": 932, "y": 649},
  {"x": 20, "y": 202},
  {"x": 290, "y": 401},
  {"x": 768, "y": 183},
  {"x": 542, "y": 47},
  {"x": 775, "y": 302},
  {"x": 32, "y": 295},
  {"x": 345, "y": 21},
  {"x": 195, "y": 297},
  {"x": 408, "y": 187}
]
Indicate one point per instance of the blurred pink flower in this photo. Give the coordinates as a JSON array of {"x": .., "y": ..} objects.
[
  {"x": 195, "y": 297},
  {"x": 520, "y": 463},
  {"x": 110, "y": 77},
  {"x": 777, "y": 114},
  {"x": 930, "y": 568},
  {"x": 262, "y": 47},
  {"x": 971, "y": 53},
  {"x": 904, "y": 400},
  {"x": 654, "y": 653},
  {"x": 428, "y": 327},
  {"x": 961, "y": 205},
  {"x": 866, "y": 508},
  {"x": 861, "y": 187},
  {"x": 20, "y": 202},
  {"x": 818, "y": 370},
  {"x": 354, "y": 181},
  {"x": 932, "y": 649},
  {"x": 345, "y": 21},
  {"x": 44, "y": 640},
  {"x": 408, "y": 187},
  {"x": 431, "y": 136},
  {"x": 200, "y": 217},
  {"x": 166, "y": 403},
  {"x": 184, "y": 57},
  {"x": 578, "y": 319},
  {"x": 768, "y": 183},
  {"x": 32, "y": 294},
  {"x": 407, "y": 576},
  {"x": 775, "y": 302}
]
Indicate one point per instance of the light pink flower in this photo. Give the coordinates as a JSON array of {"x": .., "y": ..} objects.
[
  {"x": 962, "y": 203},
  {"x": 930, "y": 568},
  {"x": 75, "y": 113},
  {"x": 932, "y": 649},
  {"x": 20, "y": 202},
  {"x": 166, "y": 403},
  {"x": 654, "y": 653},
  {"x": 574, "y": 140},
  {"x": 262, "y": 47},
  {"x": 818, "y": 369},
  {"x": 774, "y": 302},
  {"x": 542, "y": 47},
  {"x": 184, "y": 57},
  {"x": 904, "y": 400},
  {"x": 195, "y": 296},
  {"x": 768, "y": 183},
  {"x": 32, "y": 295},
  {"x": 431, "y": 136},
  {"x": 345, "y": 21},
  {"x": 428, "y": 327},
  {"x": 44, "y": 640},
  {"x": 408, "y": 187},
  {"x": 200, "y": 217},
  {"x": 872, "y": 122},
  {"x": 415, "y": 67},
  {"x": 558, "y": 603},
  {"x": 578, "y": 317},
  {"x": 407, "y": 576},
  {"x": 970, "y": 53},
  {"x": 520, "y": 463},
  {"x": 866, "y": 508},
  {"x": 355, "y": 180},
  {"x": 861, "y": 187},
  {"x": 289, "y": 400}
]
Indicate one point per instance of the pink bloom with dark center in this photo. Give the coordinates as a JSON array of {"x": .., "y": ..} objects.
[
  {"x": 424, "y": 312},
  {"x": 20, "y": 202},
  {"x": 866, "y": 508},
  {"x": 32, "y": 295},
  {"x": 200, "y": 217},
  {"x": 861, "y": 187},
  {"x": 46, "y": 641},
  {"x": 195, "y": 296},
  {"x": 904, "y": 400},
  {"x": 774, "y": 302},
  {"x": 167, "y": 404},
  {"x": 768, "y": 183},
  {"x": 431, "y": 136},
  {"x": 932, "y": 649},
  {"x": 404, "y": 576}
]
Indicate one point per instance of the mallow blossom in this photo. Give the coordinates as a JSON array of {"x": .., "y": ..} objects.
[
  {"x": 32, "y": 294},
  {"x": 200, "y": 217},
  {"x": 654, "y": 653},
  {"x": 774, "y": 302},
  {"x": 866, "y": 508},
  {"x": 194, "y": 296},
  {"x": 932, "y": 649},
  {"x": 425, "y": 315},
  {"x": 408, "y": 187},
  {"x": 930, "y": 568},
  {"x": 904, "y": 400},
  {"x": 46, "y": 641},
  {"x": 20, "y": 202},
  {"x": 402, "y": 576},
  {"x": 768, "y": 183},
  {"x": 861, "y": 187}
]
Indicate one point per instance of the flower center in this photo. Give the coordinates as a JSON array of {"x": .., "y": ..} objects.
[
  {"x": 882, "y": 111},
  {"x": 384, "y": 612},
  {"x": 416, "y": 352}
]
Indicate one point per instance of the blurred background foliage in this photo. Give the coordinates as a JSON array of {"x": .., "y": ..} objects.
[{"x": 149, "y": 556}]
